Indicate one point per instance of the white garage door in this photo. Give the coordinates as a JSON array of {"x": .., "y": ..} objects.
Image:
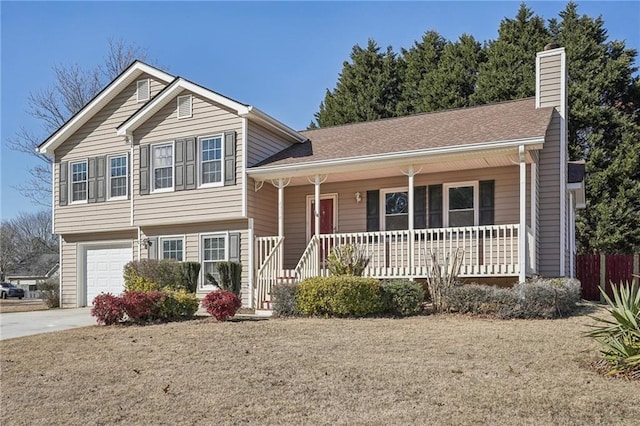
[{"x": 104, "y": 270}]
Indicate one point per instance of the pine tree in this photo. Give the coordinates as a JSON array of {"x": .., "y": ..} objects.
[
  {"x": 419, "y": 61},
  {"x": 509, "y": 72},
  {"x": 368, "y": 88},
  {"x": 604, "y": 129},
  {"x": 453, "y": 81}
]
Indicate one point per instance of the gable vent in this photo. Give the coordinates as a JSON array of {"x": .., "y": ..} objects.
[
  {"x": 143, "y": 90},
  {"x": 184, "y": 106}
]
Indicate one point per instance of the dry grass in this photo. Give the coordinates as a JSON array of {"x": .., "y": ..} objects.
[
  {"x": 24, "y": 305},
  {"x": 422, "y": 370}
]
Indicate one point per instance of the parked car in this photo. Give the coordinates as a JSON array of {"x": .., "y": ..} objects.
[{"x": 10, "y": 290}]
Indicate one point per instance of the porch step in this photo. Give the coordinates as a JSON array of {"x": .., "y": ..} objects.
[{"x": 266, "y": 305}]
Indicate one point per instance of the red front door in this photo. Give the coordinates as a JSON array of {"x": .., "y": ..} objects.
[{"x": 326, "y": 216}]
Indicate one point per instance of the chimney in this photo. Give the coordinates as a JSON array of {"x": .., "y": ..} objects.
[{"x": 551, "y": 78}]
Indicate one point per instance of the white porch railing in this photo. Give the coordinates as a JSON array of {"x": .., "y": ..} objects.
[
  {"x": 269, "y": 267},
  {"x": 489, "y": 251}
]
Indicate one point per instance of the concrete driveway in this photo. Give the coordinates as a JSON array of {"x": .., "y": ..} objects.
[{"x": 18, "y": 324}]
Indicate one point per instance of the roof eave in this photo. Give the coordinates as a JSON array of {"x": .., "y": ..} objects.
[
  {"x": 403, "y": 157},
  {"x": 254, "y": 113}
]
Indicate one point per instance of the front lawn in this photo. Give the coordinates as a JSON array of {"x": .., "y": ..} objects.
[{"x": 442, "y": 369}]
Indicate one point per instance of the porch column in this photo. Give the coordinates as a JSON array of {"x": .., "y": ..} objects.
[
  {"x": 522, "y": 231},
  {"x": 534, "y": 211},
  {"x": 410, "y": 173},
  {"x": 281, "y": 184},
  {"x": 316, "y": 206}
]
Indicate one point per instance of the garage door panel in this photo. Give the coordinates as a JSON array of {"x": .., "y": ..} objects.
[{"x": 104, "y": 270}]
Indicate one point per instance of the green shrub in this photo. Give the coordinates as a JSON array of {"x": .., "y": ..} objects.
[
  {"x": 620, "y": 337},
  {"x": 347, "y": 259},
  {"x": 541, "y": 298},
  {"x": 230, "y": 277},
  {"x": 135, "y": 283},
  {"x": 402, "y": 297},
  {"x": 339, "y": 296},
  {"x": 283, "y": 297},
  {"x": 190, "y": 272},
  {"x": 179, "y": 304},
  {"x": 167, "y": 273},
  {"x": 50, "y": 290}
]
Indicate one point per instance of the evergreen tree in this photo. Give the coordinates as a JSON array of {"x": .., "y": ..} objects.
[
  {"x": 510, "y": 70},
  {"x": 453, "y": 81},
  {"x": 604, "y": 108},
  {"x": 368, "y": 88},
  {"x": 418, "y": 62}
]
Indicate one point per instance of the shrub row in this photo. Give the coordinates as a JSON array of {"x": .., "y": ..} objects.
[
  {"x": 144, "y": 306},
  {"x": 348, "y": 296},
  {"x": 152, "y": 275},
  {"x": 540, "y": 298}
]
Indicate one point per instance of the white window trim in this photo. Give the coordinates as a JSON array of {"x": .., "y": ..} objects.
[
  {"x": 173, "y": 168},
  {"x": 204, "y": 284},
  {"x": 199, "y": 148},
  {"x": 148, "y": 82},
  {"x": 476, "y": 200},
  {"x": 86, "y": 199},
  {"x": 161, "y": 239},
  {"x": 190, "y": 107},
  {"x": 383, "y": 209},
  {"x": 310, "y": 200},
  {"x": 126, "y": 195}
]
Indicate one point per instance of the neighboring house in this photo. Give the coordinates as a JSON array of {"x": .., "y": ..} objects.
[
  {"x": 35, "y": 270},
  {"x": 159, "y": 167}
]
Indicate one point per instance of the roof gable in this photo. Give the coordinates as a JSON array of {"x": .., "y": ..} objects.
[{"x": 98, "y": 102}]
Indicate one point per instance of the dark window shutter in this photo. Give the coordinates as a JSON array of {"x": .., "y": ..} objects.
[
  {"x": 152, "y": 249},
  {"x": 144, "y": 169},
  {"x": 63, "y": 185},
  {"x": 190, "y": 164},
  {"x": 487, "y": 196},
  {"x": 230, "y": 158},
  {"x": 435, "y": 206},
  {"x": 420, "y": 207},
  {"x": 129, "y": 168},
  {"x": 101, "y": 178},
  {"x": 179, "y": 164},
  {"x": 373, "y": 210},
  {"x": 234, "y": 247},
  {"x": 91, "y": 180}
]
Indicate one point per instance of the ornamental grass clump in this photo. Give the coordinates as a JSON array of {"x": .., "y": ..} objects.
[
  {"x": 619, "y": 337},
  {"x": 442, "y": 276}
]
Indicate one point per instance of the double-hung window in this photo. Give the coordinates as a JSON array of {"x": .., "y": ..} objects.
[
  {"x": 461, "y": 204},
  {"x": 213, "y": 251},
  {"x": 172, "y": 248},
  {"x": 396, "y": 209},
  {"x": 162, "y": 165},
  {"x": 211, "y": 160},
  {"x": 118, "y": 177},
  {"x": 79, "y": 181}
]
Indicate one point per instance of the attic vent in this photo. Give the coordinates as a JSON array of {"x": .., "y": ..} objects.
[
  {"x": 143, "y": 90},
  {"x": 184, "y": 106}
]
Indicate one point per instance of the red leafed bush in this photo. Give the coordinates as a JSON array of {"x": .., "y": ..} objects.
[
  {"x": 142, "y": 306},
  {"x": 108, "y": 309},
  {"x": 221, "y": 304}
]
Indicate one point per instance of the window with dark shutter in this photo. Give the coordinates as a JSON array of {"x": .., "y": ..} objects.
[
  {"x": 63, "y": 186},
  {"x": 419, "y": 207},
  {"x": 230, "y": 158},
  {"x": 373, "y": 210},
  {"x": 487, "y": 202},
  {"x": 145, "y": 180}
]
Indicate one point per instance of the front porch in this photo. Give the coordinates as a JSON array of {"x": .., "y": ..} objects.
[{"x": 488, "y": 251}]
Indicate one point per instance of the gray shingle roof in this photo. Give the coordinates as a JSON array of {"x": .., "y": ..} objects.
[
  {"x": 35, "y": 266},
  {"x": 506, "y": 121}
]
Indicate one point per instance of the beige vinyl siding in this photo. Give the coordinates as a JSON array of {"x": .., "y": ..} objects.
[
  {"x": 549, "y": 201},
  {"x": 351, "y": 216},
  {"x": 262, "y": 206},
  {"x": 550, "y": 68},
  {"x": 217, "y": 203},
  {"x": 70, "y": 257},
  {"x": 192, "y": 233},
  {"x": 263, "y": 143},
  {"x": 98, "y": 137}
]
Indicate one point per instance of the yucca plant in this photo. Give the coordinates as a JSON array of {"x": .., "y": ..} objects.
[
  {"x": 442, "y": 276},
  {"x": 620, "y": 337}
]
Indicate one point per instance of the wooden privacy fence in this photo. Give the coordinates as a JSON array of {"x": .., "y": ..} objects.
[{"x": 595, "y": 270}]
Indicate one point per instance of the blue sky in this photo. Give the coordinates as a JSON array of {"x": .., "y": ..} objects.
[{"x": 279, "y": 57}]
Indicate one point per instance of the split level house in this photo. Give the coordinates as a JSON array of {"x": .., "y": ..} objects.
[{"x": 156, "y": 166}]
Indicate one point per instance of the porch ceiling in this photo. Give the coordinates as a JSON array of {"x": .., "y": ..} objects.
[{"x": 385, "y": 167}]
